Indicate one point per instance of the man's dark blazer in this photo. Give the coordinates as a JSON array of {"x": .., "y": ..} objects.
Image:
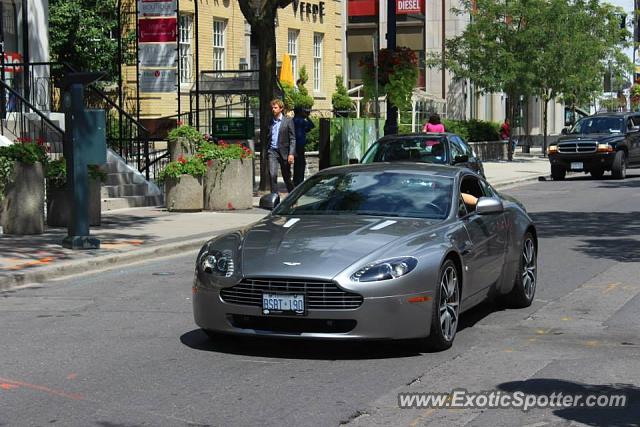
[{"x": 287, "y": 137}]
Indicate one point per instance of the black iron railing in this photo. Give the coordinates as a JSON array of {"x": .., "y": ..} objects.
[{"x": 23, "y": 122}]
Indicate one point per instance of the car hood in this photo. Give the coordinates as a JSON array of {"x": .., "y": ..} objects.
[
  {"x": 598, "y": 137},
  {"x": 318, "y": 246}
]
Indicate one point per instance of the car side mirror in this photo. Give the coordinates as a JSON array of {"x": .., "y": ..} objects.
[
  {"x": 461, "y": 159},
  {"x": 489, "y": 205},
  {"x": 564, "y": 131},
  {"x": 269, "y": 201}
]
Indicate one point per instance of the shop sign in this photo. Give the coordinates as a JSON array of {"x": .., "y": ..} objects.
[
  {"x": 155, "y": 80},
  {"x": 409, "y": 7},
  {"x": 157, "y": 7},
  {"x": 159, "y": 30},
  {"x": 158, "y": 55}
]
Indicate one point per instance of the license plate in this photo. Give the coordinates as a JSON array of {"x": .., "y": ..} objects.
[
  {"x": 577, "y": 166},
  {"x": 283, "y": 304}
]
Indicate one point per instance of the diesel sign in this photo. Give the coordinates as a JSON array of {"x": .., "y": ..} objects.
[{"x": 408, "y": 6}]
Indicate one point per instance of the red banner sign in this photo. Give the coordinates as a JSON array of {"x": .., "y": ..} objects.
[
  {"x": 409, "y": 7},
  {"x": 160, "y": 30},
  {"x": 12, "y": 58}
]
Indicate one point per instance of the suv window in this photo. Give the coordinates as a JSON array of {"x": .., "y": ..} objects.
[
  {"x": 636, "y": 122},
  {"x": 456, "y": 148}
]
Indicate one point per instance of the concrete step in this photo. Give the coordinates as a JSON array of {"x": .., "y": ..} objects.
[
  {"x": 112, "y": 203},
  {"x": 119, "y": 178},
  {"x": 124, "y": 190}
]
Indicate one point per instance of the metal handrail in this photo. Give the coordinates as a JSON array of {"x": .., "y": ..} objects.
[{"x": 34, "y": 109}]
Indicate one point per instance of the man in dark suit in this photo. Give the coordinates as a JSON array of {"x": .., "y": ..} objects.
[{"x": 282, "y": 146}]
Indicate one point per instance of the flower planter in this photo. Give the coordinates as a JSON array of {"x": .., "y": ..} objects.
[
  {"x": 22, "y": 208},
  {"x": 180, "y": 147},
  {"x": 230, "y": 187},
  {"x": 183, "y": 194},
  {"x": 59, "y": 205}
]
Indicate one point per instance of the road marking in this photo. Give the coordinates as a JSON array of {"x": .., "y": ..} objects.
[
  {"x": 424, "y": 414},
  {"x": 592, "y": 343},
  {"x": 16, "y": 384},
  {"x": 565, "y": 318},
  {"x": 7, "y": 386},
  {"x": 72, "y": 376}
]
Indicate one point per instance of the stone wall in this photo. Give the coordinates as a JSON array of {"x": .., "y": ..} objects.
[{"x": 312, "y": 158}]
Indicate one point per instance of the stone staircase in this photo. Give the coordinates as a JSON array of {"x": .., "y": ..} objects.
[{"x": 125, "y": 187}]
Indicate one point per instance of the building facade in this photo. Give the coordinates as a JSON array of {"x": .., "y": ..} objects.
[{"x": 184, "y": 37}]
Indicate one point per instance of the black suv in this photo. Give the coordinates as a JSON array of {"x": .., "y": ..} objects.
[{"x": 598, "y": 143}]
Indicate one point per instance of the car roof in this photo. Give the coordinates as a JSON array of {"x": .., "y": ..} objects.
[
  {"x": 612, "y": 114},
  {"x": 389, "y": 138},
  {"x": 421, "y": 168}
]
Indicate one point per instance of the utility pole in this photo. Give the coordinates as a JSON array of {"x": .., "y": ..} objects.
[{"x": 391, "y": 125}]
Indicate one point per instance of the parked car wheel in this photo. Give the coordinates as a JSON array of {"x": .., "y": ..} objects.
[
  {"x": 597, "y": 173},
  {"x": 619, "y": 167},
  {"x": 524, "y": 287},
  {"x": 446, "y": 309},
  {"x": 558, "y": 172}
]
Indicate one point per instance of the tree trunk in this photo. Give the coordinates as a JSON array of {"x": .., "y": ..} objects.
[
  {"x": 267, "y": 52},
  {"x": 511, "y": 115}
]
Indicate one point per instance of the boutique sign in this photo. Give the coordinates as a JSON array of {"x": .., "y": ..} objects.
[{"x": 409, "y": 7}]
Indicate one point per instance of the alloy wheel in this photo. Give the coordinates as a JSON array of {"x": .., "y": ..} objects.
[
  {"x": 449, "y": 302},
  {"x": 529, "y": 265}
]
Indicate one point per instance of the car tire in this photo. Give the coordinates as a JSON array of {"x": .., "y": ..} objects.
[
  {"x": 597, "y": 173},
  {"x": 524, "y": 286},
  {"x": 558, "y": 172},
  {"x": 443, "y": 332},
  {"x": 619, "y": 166}
]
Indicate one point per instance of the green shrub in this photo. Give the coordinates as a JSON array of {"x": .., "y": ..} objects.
[
  {"x": 193, "y": 166},
  {"x": 340, "y": 98},
  {"x": 473, "y": 130},
  {"x": 313, "y": 136},
  {"x": 56, "y": 172}
]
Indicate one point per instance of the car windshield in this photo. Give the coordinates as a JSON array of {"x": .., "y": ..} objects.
[
  {"x": 418, "y": 149},
  {"x": 376, "y": 193},
  {"x": 599, "y": 125}
]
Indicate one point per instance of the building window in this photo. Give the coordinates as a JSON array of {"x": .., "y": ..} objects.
[
  {"x": 317, "y": 61},
  {"x": 219, "y": 29},
  {"x": 185, "y": 35},
  {"x": 292, "y": 50}
]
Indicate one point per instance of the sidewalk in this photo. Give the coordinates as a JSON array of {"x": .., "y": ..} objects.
[{"x": 141, "y": 234}]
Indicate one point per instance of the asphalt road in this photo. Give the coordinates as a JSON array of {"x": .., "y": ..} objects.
[{"x": 121, "y": 348}]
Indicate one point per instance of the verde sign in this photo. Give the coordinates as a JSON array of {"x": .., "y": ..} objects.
[{"x": 233, "y": 127}]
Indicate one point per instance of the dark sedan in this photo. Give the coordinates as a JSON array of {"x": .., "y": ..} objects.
[
  {"x": 369, "y": 251},
  {"x": 437, "y": 148}
]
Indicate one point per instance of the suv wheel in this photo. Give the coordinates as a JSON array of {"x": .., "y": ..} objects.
[
  {"x": 619, "y": 166},
  {"x": 558, "y": 172}
]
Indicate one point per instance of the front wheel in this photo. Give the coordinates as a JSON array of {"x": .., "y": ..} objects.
[
  {"x": 619, "y": 166},
  {"x": 446, "y": 308},
  {"x": 558, "y": 172}
]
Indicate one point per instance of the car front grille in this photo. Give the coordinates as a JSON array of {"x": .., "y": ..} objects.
[
  {"x": 577, "y": 147},
  {"x": 298, "y": 325},
  {"x": 319, "y": 295}
]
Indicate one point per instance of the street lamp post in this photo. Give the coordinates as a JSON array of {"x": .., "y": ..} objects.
[{"x": 391, "y": 124}]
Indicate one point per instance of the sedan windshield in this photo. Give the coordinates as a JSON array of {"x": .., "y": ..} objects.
[
  {"x": 418, "y": 149},
  {"x": 376, "y": 193},
  {"x": 599, "y": 125}
]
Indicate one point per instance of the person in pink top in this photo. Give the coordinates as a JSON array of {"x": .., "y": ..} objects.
[{"x": 434, "y": 124}]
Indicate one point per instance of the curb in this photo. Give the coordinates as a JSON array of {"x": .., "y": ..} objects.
[
  {"x": 506, "y": 184},
  {"x": 90, "y": 265}
]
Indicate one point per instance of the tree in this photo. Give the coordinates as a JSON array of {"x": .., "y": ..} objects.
[
  {"x": 501, "y": 50},
  {"x": 495, "y": 49},
  {"x": 83, "y": 34},
  {"x": 261, "y": 14}
]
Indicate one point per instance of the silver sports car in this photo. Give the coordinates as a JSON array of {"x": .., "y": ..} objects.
[{"x": 370, "y": 251}]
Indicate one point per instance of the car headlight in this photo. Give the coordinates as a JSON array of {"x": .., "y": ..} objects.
[
  {"x": 385, "y": 270},
  {"x": 552, "y": 149},
  {"x": 218, "y": 259},
  {"x": 219, "y": 263}
]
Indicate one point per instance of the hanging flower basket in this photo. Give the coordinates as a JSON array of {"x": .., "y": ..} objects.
[{"x": 397, "y": 75}]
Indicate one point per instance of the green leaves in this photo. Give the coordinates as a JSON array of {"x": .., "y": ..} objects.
[
  {"x": 83, "y": 33},
  {"x": 340, "y": 99},
  {"x": 538, "y": 47}
]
